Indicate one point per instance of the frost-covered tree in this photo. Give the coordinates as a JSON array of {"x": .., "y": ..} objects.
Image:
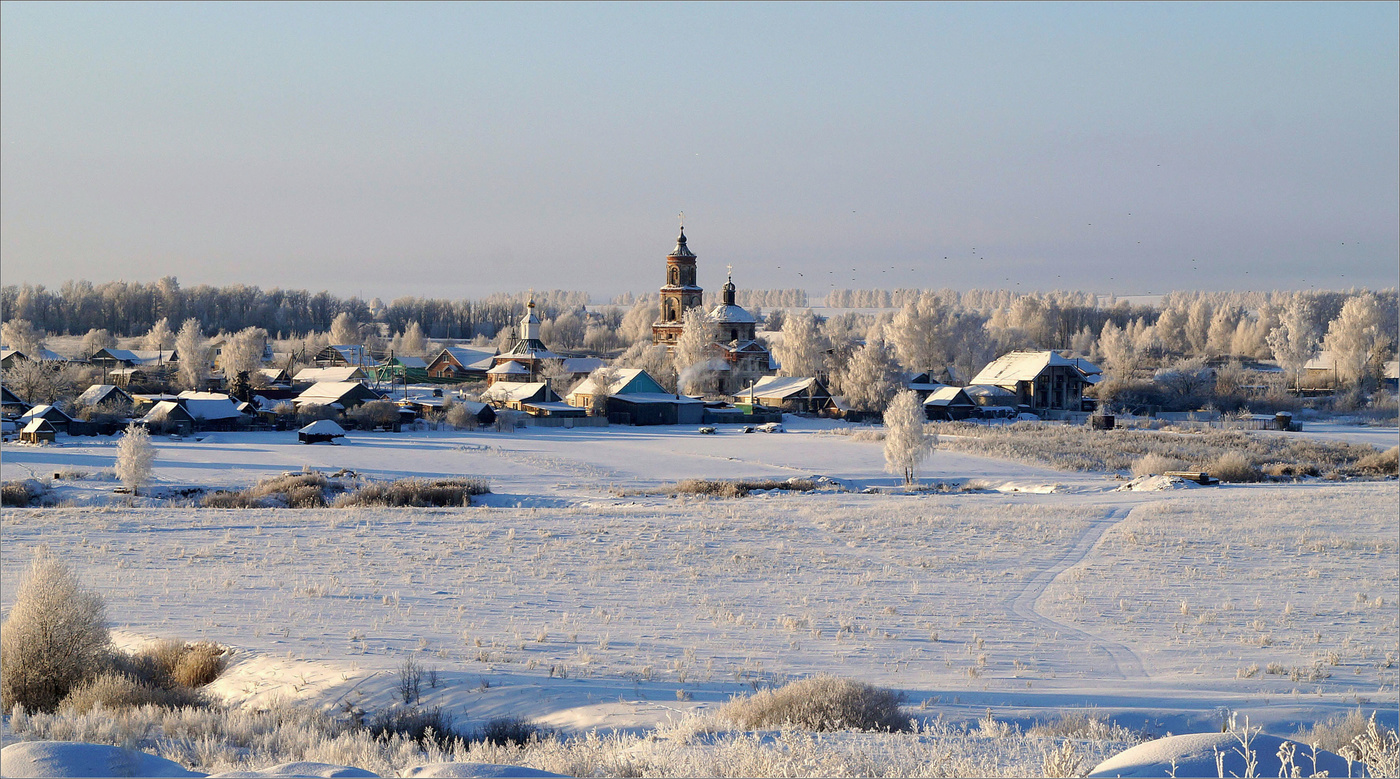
[
  {"x": 636, "y": 324},
  {"x": 557, "y": 375},
  {"x": 565, "y": 331},
  {"x": 411, "y": 341},
  {"x": 696, "y": 373},
  {"x": 1118, "y": 352},
  {"x": 243, "y": 351},
  {"x": 602, "y": 380},
  {"x": 1188, "y": 378},
  {"x": 803, "y": 348},
  {"x": 193, "y": 352},
  {"x": 47, "y": 382},
  {"x": 1295, "y": 339},
  {"x": 1357, "y": 340},
  {"x": 871, "y": 377},
  {"x": 159, "y": 337},
  {"x": 135, "y": 456},
  {"x": 20, "y": 334},
  {"x": 54, "y": 638},
  {"x": 652, "y": 358},
  {"x": 96, "y": 340},
  {"x": 906, "y": 441},
  {"x": 345, "y": 331},
  {"x": 1171, "y": 328}
]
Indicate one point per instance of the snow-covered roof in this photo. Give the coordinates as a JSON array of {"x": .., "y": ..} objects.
[
  {"x": 532, "y": 348},
  {"x": 947, "y": 396},
  {"x": 101, "y": 393},
  {"x": 271, "y": 374},
  {"x": 354, "y": 354},
  {"x": 467, "y": 357},
  {"x": 509, "y": 368},
  {"x": 1322, "y": 361},
  {"x": 323, "y": 427},
  {"x": 343, "y": 373},
  {"x": 209, "y": 405},
  {"x": 324, "y": 393},
  {"x": 409, "y": 361},
  {"x": 988, "y": 390},
  {"x": 45, "y": 355},
  {"x": 657, "y": 397},
  {"x": 161, "y": 410},
  {"x": 1020, "y": 366},
  {"x": 625, "y": 376},
  {"x": 780, "y": 386},
  {"x": 38, "y": 425},
  {"x": 136, "y": 356},
  {"x": 731, "y": 315},
  {"x": 1085, "y": 367},
  {"x": 583, "y": 364},
  {"x": 1391, "y": 370},
  {"x": 506, "y": 391},
  {"x": 44, "y": 410}
]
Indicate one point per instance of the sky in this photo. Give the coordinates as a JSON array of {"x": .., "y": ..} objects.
[{"x": 454, "y": 150}]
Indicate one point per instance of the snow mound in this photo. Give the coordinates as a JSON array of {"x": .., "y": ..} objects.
[
  {"x": 302, "y": 769},
  {"x": 75, "y": 758},
  {"x": 1155, "y": 483},
  {"x": 474, "y": 770},
  {"x": 1195, "y": 755},
  {"x": 1034, "y": 489}
]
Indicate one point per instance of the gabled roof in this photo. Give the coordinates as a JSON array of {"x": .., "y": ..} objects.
[
  {"x": 783, "y": 387},
  {"x": 166, "y": 409},
  {"x": 466, "y": 357},
  {"x": 324, "y": 393},
  {"x": 1021, "y": 366},
  {"x": 273, "y": 374},
  {"x": 629, "y": 381},
  {"x": 44, "y": 355},
  {"x": 532, "y": 348},
  {"x": 583, "y": 364},
  {"x": 354, "y": 354},
  {"x": 47, "y": 412},
  {"x": 132, "y": 357},
  {"x": 103, "y": 393},
  {"x": 38, "y": 425},
  {"x": 1322, "y": 361},
  {"x": 323, "y": 427},
  {"x": 516, "y": 391},
  {"x": 9, "y": 398},
  {"x": 509, "y": 368},
  {"x": 314, "y": 375},
  {"x": 407, "y": 361},
  {"x": 988, "y": 391},
  {"x": 209, "y": 405},
  {"x": 949, "y": 396}
]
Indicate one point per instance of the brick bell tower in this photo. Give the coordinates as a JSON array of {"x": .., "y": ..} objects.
[{"x": 680, "y": 293}]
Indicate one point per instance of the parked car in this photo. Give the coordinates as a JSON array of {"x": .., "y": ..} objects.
[
  {"x": 707, "y": 431},
  {"x": 747, "y": 429},
  {"x": 772, "y": 427}
]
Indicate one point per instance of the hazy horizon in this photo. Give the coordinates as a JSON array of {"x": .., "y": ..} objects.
[{"x": 458, "y": 150}]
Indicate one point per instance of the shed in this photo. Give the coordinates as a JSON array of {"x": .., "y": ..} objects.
[
  {"x": 322, "y": 431},
  {"x": 38, "y": 431},
  {"x": 949, "y": 403},
  {"x": 342, "y": 355}
]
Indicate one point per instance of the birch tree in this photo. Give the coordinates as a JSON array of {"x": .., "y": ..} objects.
[
  {"x": 135, "y": 456},
  {"x": 803, "y": 348},
  {"x": 906, "y": 441},
  {"x": 1356, "y": 339},
  {"x": 193, "y": 351}
]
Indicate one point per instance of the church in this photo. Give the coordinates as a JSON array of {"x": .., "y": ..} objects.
[{"x": 736, "y": 345}]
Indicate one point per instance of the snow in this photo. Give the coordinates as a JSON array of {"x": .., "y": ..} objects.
[
  {"x": 1020, "y": 366},
  {"x": 323, "y": 427},
  {"x": 1156, "y": 483},
  {"x": 779, "y": 386},
  {"x": 300, "y": 769},
  {"x": 68, "y": 758},
  {"x": 473, "y": 770},
  {"x": 1195, "y": 754},
  {"x": 577, "y": 595}
]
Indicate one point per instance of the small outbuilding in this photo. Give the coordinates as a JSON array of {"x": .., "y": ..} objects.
[
  {"x": 948, "y": 403},
  {"x": 38, "y": 431},
  {"x": 322, "y": 431},
  {"x": 52, "y": 414},
  {"x": 805, "y": 394}
]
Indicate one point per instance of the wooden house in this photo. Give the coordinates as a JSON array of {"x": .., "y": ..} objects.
[
  {"x": 60, "y": 421},
  {"x": 168, "y": 416},
  {"x": 949, "y": 403},
  {"x": 342, "y": 395},
  {"x": 1040, "y": 380},
  {"x": 514, "y": 394},
  {"x": 11, "y": 405},
  {"x": 105, "y": 394},
  {"x": 343, "y": 355},
  {"x": 38, "y": 431},
  {"x": 309, "y": 376},
  {"x": 461, "y": 363},
  {"x": 629, "y": 381},
  {"x": 801, "y": 394}
]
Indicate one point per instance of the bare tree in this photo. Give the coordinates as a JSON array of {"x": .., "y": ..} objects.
[
  {"x": 602, "y": 380},
  {"x": 906, "y": 441},
  {"x": 135, "y": 456},
  {"x": 96, "y": 340},
  {"x": 54, "y": 637}
]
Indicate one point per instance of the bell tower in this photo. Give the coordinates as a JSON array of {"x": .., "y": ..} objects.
[{"x": 679, "y": 294}]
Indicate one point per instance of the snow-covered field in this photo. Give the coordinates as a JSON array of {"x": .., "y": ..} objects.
[{"x": 565, "y": 598}]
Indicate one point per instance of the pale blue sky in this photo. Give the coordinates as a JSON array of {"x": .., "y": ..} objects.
[{"x": 454, "y": 150}]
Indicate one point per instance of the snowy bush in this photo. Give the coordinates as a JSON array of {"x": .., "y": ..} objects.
[
  {"x": 821, "y": 703},
  {"x": 1234, "y": 467},
  {"x": 416, "y": 492},
  {"x": 1152, "y": 464},
  {"x": 113, "y": 691},
  {"x": 54, "y": 638},
  {"x": 21, "y": 493},
  {"x": 729, "y": 488},
  {"x": 1387, "y": 462}
]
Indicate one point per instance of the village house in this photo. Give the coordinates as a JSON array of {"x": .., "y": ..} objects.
[
  {"x": 105, "y": 394},
  {"x": 1040, "y": 380},
  {"x": 340, "y": 395},
  {"x": 11, "y": 405},
  {"x": 344, "y": 373},
  {"x": 636, "y": 398},
  {"x": 461, "y": 363},
  {"x": 796, "y": 394},
  {"x": 949, "y": 403},
  {"x": 60, "y": 421},
  {"x": 342, "y": 355},
  {"x": 515, "y": 394},
  {"x": 10, "y": 357},
  {"x": 38, "y": 431}
]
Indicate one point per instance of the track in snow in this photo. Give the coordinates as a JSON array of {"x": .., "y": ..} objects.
[{"x": 1127, "y": 663}]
